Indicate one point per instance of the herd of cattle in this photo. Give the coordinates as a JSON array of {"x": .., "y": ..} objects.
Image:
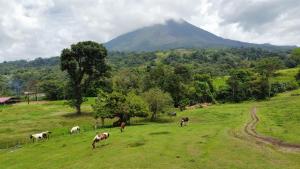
[{"x": 97, "y": 138}]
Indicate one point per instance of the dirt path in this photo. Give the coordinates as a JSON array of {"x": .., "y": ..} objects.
[{"x": 250, "y": 130}]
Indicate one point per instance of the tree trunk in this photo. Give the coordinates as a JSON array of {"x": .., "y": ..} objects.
[
  {"x": 78, "y": 99},
  {"x": 97, "y": 124},
  {"x": 36, "y": 92},
  {"x": 269, "y": 90},
  {"x": 153, "y": 117},
  {"x": 78, "y": 109}
]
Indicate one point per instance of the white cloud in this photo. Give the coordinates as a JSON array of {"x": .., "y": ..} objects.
[{"x": 41, "y": 28}]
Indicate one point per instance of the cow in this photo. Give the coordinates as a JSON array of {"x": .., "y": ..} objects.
[
  {"x": 122, "y": 126},
  {"x": 75, "y": 129},
  {"x": 99, "y": 137},
  {"x": 184, "y": 121},
  {"x": 40, "y": 136}
]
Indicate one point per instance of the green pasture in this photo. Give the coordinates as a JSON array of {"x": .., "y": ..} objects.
[{"x": 214, "y": 138}]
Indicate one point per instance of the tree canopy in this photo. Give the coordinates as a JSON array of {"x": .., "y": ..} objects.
[
  {"x": 157, "y": 100},
  {"x": 84, "y": 63}
]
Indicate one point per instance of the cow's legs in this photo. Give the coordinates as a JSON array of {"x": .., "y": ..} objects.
[{"x": 93, "y": 144}]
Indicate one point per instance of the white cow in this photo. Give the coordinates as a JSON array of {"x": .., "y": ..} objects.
[{"x": 75, "y": 129}]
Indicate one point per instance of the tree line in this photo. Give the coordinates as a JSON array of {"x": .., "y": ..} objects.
[{"x": 141, "y": 84}]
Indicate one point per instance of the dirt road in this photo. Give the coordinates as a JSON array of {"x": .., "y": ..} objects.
[{"x": 251, "y": 131}]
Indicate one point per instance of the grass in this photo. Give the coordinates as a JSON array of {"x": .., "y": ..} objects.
[
  {"x": 220, "y": 81},
  {"x": 285, "y": 75},
  {"x": 280, "y": 117},
  {"x": 214, "y": 138},
  {"x": 19, "y": 120}
]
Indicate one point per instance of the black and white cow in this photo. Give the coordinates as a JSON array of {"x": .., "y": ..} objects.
[
  {"x": 40, "y": 136},
  {"x": 184, "y": 121}
]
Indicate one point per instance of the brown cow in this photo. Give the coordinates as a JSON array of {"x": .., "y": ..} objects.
[
  {"x": 100, "y": 137},
  {"x": 122, "y": 127}
]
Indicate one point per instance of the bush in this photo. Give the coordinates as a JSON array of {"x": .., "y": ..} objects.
[
  {"x": 279, "y": 87},
  {"x": 292, "y": 85},
  {"x": 183, "y": 103},
  {"x": 157, "y": 100}
]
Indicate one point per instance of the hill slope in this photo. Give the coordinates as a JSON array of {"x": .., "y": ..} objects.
[{"x": 171, "y": 35}]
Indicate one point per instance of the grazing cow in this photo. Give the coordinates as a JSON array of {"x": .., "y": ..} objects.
[
  {"x": 184, "y": 121},
  {"x": 40, "y": 136},
  {"x": 75, "y": 129},
  {"x": 100, "y": 137},
  {"x": 122, "y": 127}
]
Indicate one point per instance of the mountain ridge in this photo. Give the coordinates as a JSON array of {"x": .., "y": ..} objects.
[{"x": 175, "y": 34}]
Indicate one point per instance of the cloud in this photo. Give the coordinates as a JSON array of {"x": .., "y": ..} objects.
[{"x": 30, "y": 28}]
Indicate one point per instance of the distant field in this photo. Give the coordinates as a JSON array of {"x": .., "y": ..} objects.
[
  {"x": 284, "y": 75},
  {"x": 214, "y": 138}
]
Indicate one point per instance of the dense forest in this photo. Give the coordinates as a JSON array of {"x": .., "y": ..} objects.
[{"x": 186, "y": 75}]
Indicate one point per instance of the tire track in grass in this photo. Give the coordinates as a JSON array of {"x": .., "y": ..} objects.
[{"x": 250, "y": 129}]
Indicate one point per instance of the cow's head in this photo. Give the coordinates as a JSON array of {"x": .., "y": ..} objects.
[{"x": 45, "y": 135}]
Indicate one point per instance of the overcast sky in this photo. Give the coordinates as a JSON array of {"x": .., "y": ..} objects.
[{"x": 42, "y": 28}]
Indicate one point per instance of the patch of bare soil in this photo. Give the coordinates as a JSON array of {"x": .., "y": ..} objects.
[
  {"x": 200, "y": 105},
  {"x": 250, "y": 129}
]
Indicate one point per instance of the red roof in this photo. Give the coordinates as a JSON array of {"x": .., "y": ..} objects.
[{"x": 4, "y": 99}]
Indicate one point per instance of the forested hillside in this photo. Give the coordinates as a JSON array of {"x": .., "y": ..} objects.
[{"x": 190, "y": 75}]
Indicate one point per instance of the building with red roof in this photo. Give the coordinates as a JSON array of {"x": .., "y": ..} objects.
[{"x": 9, "y": 100}]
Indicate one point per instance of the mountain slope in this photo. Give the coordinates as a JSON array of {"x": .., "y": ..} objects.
[{"x": 173, "y": 34}]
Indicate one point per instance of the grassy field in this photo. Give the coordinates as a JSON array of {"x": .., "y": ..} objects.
[
  {"x": 280, "y": 117},
  {"x": 285, "y": 75},
  {"x": 19, "y": 120},
  {"x": 282, "y": 76},
  {"x": 214, "y": 138}
]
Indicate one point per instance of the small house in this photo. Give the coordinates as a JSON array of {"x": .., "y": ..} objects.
[{"x": 9, "y": 100}]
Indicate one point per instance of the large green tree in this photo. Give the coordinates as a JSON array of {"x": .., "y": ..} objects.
[
  {"x": 239, "y": 84},
  {"x": 127, "y": 80},
  {"x": 84, "y": 63},
  {"x": 157, "y": 100},
  {"x": 117, "y": 104},
  {"x": 4, "y": 87},
  {"x": 100, "y": 108},
  {"x": 267, "y": 67},
  {"x": 204, "y": 88}
]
